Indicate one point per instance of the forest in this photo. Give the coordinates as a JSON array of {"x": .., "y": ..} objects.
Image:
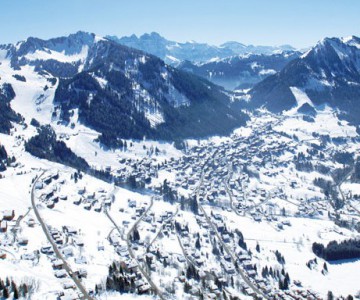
[{"x": 348, "y": 249}]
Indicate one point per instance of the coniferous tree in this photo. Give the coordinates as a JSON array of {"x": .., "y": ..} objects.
[
  {"x": 6, "y": 293},
  {"x": 330, "y": 295}
]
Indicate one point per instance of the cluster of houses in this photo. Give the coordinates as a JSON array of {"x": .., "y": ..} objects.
[
  {"x": 129, "y": 265},
  {"x": 5, "y": 217},
  {"x": 50, "y": 187}
]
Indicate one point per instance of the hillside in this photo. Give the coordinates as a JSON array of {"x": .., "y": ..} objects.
[
  {"x": 173, "y": 52},
  {"x": 329, "y": 73},
  {"x": 118, "y": 91},
  {"x": 242, "y": 71}
]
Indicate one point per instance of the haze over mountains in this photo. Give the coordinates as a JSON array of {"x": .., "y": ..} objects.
[
  {"x": 174, "y": 52},
  {"x": 140, "y": 95},
  {"x": 329, "y": 73},
  {"x": 119, "y": 91},
  {"x": 221, "y": 175}
]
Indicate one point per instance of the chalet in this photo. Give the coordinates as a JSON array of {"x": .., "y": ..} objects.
[
  {"x": 69, "y": 230},
  {"x": 107, "y": 202},
  {"x": 31, "y": 222},
  {"x": 181, "y": 259},
  {"x": 55, "y": 175},
  {"x": 68, "y": 285},
  {"x": 251, "y": 273},
  {"x": 132, "y": 203},
  {"x": 59, "y": 240},
  {"x": 248, "y": 265},
  {"x": 81, "y": 273},
  {"x": 114, "y": 240},
  {"x": 212, "y": 296},
  {"x": 68, "y": 252},
  {"x": 87, "y": 206},
  {"x": 130, "y": 265},
  {"x": 38, "y": 185},
  {"x": 60, "y": 273},
  {"x": 77, "y": 201},
  {"x": 47, "y": 180},
  {"x": 81, "y": 191},
  {"x": 226, "y": 238},
  {"x": 23, "y": 241},
  {"x": 46, "y": 249},
  {"x": 123, "y": 252},
  {"x": 63, "y": 197},
  {"x": 8, "y": 215},
  {"x": 81, "y": 260},
  {"x": 286, "y": 222},
  {"x": 57, "y": 264},
  {"x": 50, "y": 204},
  {"x": 257, "y": 218},
  {"x": 243, "y": 257},
  {"x": 229, "y": 268},
  {"x": 144, "y": 288},
  {"x": 3, "y": 226},
  {"x": 29, "y": 256},
  {"x": 218, "y": 217}
]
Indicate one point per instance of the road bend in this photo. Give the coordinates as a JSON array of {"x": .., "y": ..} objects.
[
  {"x": 58, "y": 254},
  {"x": 256, "y": 290},
  {"x": 131, "y": 252}
]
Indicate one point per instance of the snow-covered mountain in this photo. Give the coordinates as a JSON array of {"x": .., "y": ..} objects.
[
  {"x": 174, "y": 52},
  {"x": 327, "y": 73},
  {"x": 269, "y": 211},
  {"x": 241, "y": 71},
  {"x": 119, "y": 91}
]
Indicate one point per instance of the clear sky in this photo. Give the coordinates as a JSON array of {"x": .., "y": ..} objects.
[{"x": 260, "y": 22}]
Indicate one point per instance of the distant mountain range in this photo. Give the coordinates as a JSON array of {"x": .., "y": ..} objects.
[
  {"x": 175, "y": 52},
  {"x": 122, "y": 92},
  {"x": 242, "y": 71},
  {"x": 119, "y": 91},
  {"x": 329, "y": 73}
]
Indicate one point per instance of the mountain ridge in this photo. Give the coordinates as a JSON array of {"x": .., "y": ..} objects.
[
  {"x": 173, "y": 52},
  {"x": 328, "y": 73},
  {"x": 122, "y": 92}
]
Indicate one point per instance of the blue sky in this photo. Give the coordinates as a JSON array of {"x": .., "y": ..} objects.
[{"x": 259, "y": 22}]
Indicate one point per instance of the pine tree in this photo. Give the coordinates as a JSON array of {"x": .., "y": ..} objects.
[
  {"x": 15, "y": 292},
  {"x": 5, "y": 293},
  {"x": 197, "y": 243},
  {"x": 325, "y": 267},
  {"x": 136, "y": 235},
  {"x": 330, "y": 295}
]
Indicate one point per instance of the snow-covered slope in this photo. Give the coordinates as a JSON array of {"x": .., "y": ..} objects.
[
  {"x": 241, "y": 71},
  {"x": 118, "y": 91},
  {"x": 328, "y": 73},
  {"x": 174, "y": 52}
]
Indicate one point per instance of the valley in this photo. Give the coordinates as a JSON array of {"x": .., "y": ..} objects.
[
  {"x": 122, "y": 177},
  {"x": 212, "y": 221}
]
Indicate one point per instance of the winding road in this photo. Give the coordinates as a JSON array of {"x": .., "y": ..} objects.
[
  {"x": 53, "y": 244},
  {"x": 256, "y": 290},
  {"x": 131, "y": 252}
]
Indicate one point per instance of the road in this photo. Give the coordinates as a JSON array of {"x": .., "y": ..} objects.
[
  {"x": 187, "y": 257},
  {"x": 232, "y": 256},
  {"x": 131, "y": 252},
  {"x": 53, "y": 244},
  {"x": 256, "y": 290},
  {"x": 162, "y": 227},
  {"x": 15, "y": 228}
]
